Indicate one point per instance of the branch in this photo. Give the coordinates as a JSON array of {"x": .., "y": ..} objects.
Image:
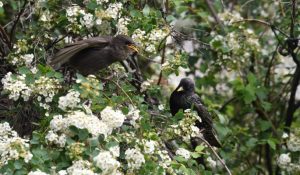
[
  {"x": 216, "y": 154},
  {"x": 13, "y": 29},
  {"x": 267, "y": 77},
  {"x": 162, "y": 62},
  {"x": 262, "y": 22},
  {"x": 214, "y": 14},
  {"x": 227, "y": 103},
  {"x": 291, "y": 104}
]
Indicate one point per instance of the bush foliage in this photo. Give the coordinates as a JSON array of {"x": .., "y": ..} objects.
[{"x": 243, "y": 56}]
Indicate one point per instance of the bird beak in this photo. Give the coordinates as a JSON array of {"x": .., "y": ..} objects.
[
  {"x": 133, "y": 47},
  {"x": 178, "y": 87}
]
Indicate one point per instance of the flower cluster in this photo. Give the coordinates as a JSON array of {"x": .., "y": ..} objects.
[
  {"x": 81, "y": 120},
  {"x": 184, "y": 153},
  {"x": 37, "y": 172},
  {"x": 75, "y": 150},
  {"x": 45, "y": 88},
  {"x": 90, "y": 86},
  {"x": 284, "y": 160},
  {"x": 23, "y": 60},
  {"x": 16, "y": 87},
  {"x": 133, "y": 116},
  {"x": 134, "y": 158},
  {"x": 69, "y": 101},
  {"x": 79, "y": 167},
  {"x": 12, "y": 147},
  {"x": 186, "y": 127},
  {"x": 107, "y": 162},
  {"x": 228, "y": 17},
  {"x": 112, "y": 118},
  {"x": 150, "y": 40},
  {"x": 293, "y": 143}
]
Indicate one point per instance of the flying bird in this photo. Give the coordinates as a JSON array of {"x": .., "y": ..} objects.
[
  {"x": 90, "y": 55},
  {"x": 186, "y": 99}
]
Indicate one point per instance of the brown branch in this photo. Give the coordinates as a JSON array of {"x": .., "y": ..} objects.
[
  {"x": 292, "y": 45},
  {"x": 267, "y": 77},
  {"x": 214, "y": 14},
  {"x": 13, "y": 29},
  {"x": 262, "y": 22},
  {"x": 291, "y": 104},
  {"x": 162, "y": 62},
  {"x": 216, "y": 154}
]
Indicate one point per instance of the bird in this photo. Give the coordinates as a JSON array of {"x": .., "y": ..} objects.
[
  {"x": 186, "y": 99},
  {"x": 91, "y": 55}
]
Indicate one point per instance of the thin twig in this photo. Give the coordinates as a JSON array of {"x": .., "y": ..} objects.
[
  {"x": 162, "y": 62},
  {"x": 13, "y": 29},
  {"x": 122, "y": 91},
  {"x": 262, "y": 22},
  {"x": 214, "y": 14},
  {"x": 216, "y": 154},
  {"x": 267, "y": 77}
]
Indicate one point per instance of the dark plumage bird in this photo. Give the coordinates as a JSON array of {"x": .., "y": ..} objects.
[
  {"x": 186, "y": 99},
  {"x": 90, "y": 55}
]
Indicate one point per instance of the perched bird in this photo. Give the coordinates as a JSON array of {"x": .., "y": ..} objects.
[
  {"x": 186, "y": 99},
  {"x": 90, "y": 55}
]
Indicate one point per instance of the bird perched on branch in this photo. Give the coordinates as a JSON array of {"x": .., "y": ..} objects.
[
  {"x": 186, "y": 99},
  {"x": 90, "y": 55}
]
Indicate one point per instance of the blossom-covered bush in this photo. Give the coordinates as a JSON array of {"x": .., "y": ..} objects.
[{"x": 243, "y": 56}]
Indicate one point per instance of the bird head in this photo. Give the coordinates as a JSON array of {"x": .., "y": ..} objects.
[
  {"x": 187, "y": 84},
  {"x": 126, "y": 43}
]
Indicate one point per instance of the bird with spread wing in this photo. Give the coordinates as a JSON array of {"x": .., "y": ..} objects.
[{"x": 90, "y": 55}]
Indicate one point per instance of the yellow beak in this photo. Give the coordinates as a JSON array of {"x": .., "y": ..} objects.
[{"x": 133, "y": 47}]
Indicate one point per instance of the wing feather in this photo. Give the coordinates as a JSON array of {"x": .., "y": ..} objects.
[{"x": 64, "y": 55}]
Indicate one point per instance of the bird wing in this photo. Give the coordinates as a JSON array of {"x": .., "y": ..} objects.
[
  {"x": 174, "y": 102},
  {"x": 203, "y": 113},
  {"x": 70, "y": 50}
]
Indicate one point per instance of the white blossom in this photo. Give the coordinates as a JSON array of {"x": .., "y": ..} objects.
[
  {"x": 284, "y": 135},
  {"x": 112, "y": 118},
  {"x": 122, "y": 26},
  {"x": 293, "y": 143},
  {"x": 134, "y": 158},
  {"x": 133, "y": 115},
  {"x": 115, "y": 150},
  {"x": 211, "y": 163},
  {"x": 283, "y": 160},
  {"x": 101, "y": 1},
  {"x": 87, "y": 20},
  {"x": 37, "y": 172},
  {"x": 183, "y": 152},
  {"x": 12, "y": 147},
  {"x": 113, "y": 10},
  {"x": 80, "y": 120},
  {"x": 1, "y": 4},
  {"x": 80, "y": 167},
  {"x": 106, "y": 162},
  {"x": 16, "y": 86},
  {"x": 149, "y": 146},
  {"x": 70, "y": 100}
]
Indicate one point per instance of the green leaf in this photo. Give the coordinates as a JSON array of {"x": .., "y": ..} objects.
[
  {"x": 251, "y": 142},
  {"x": 199, "y": 148},
  {"x": 264, "y": 125},
  {"x": 146, "y": 10},
  {"x": 170, "y": 18},
  {"x": 83, "y": 134},
  {"x": 271, "y": 143},
  {"x": 18, "y": 164}
]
